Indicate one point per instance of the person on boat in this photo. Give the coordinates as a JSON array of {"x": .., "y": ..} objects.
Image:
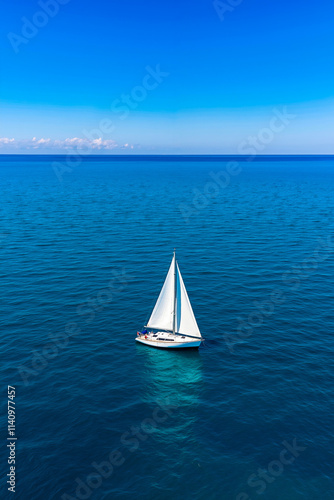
[{"x": 143, "y": 332}]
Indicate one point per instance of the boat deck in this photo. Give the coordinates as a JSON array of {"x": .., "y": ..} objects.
[{"x": 168, "y": 340}]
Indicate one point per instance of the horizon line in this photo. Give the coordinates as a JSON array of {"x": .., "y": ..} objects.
[{"x": 232, "y": 155}]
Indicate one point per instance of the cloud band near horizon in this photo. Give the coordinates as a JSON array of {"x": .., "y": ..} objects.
[{"x": 70, "y": 143}]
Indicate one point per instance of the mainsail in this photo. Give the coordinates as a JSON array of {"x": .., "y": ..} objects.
[
  {"x": 174, "y": 295},
  {"x": 162, "y": 315}
]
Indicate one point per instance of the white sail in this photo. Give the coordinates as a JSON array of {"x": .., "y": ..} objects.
[
  {"x": 162, "y": 315},
  {"x": 185, "y": 319}
]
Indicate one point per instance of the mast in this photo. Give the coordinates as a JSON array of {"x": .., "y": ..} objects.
[{"x": 174, "y": 302}]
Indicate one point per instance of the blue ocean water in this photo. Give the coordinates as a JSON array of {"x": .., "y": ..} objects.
[{"x": 85, "y": 248}]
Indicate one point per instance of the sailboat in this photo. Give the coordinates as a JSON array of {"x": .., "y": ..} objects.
[{"x": 172, "y": 323}]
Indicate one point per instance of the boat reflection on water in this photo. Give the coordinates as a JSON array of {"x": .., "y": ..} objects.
[{"x": 172, "y": 381}]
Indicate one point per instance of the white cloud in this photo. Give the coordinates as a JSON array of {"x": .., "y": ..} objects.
[
  {"x": 70, "y": 144},
  {"x": 43, "y": 141},
  {"x": 6, "y": 140}
]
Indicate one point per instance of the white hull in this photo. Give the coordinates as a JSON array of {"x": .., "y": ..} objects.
[
  {"x": 176, "y": 343},
  {"x": 172, "y": 316}
]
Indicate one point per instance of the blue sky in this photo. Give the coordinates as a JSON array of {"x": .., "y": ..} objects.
[{"x": 167, "y": 77}]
